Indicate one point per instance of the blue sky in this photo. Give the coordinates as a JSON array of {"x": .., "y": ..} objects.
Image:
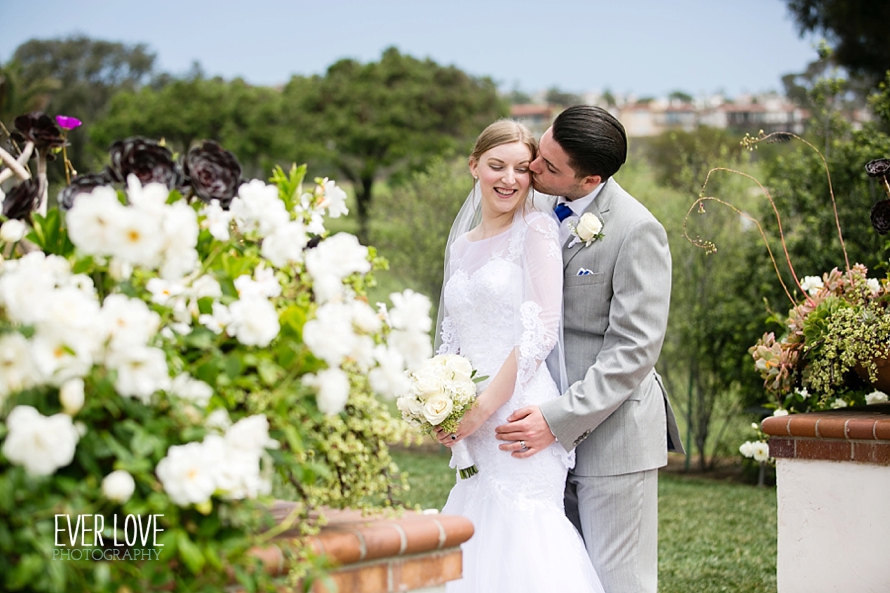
[{"x": 646, "y": 47}]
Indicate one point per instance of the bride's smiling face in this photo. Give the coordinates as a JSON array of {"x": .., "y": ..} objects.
[{"x": 504, "y": 176}]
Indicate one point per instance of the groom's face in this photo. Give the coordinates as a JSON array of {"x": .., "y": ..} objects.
[{"x": 553, "y": 175}]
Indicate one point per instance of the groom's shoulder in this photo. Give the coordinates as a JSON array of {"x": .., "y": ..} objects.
[{"x": 627, "y": 205}]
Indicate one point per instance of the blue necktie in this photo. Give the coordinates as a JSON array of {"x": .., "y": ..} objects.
[{"x": 562, "y": 212}]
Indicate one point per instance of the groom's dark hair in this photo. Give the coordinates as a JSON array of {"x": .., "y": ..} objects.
[{"x": 594, "y": 140}]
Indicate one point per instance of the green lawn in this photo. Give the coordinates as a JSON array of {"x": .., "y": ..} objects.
[{"x": 713, "y": 535}]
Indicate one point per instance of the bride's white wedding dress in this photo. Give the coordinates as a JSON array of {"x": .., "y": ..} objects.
[{"x": 504, "y": 294}]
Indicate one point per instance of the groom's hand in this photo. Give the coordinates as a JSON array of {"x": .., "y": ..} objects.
[{"x": 525, "y": 426}]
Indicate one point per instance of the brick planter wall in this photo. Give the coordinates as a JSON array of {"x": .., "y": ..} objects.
[
  {"x": 412, "y": 552},
  {"x": 833, "y": 486}
]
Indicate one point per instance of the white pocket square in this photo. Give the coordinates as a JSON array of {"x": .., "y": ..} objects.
[{"x": 583, "y": 272}]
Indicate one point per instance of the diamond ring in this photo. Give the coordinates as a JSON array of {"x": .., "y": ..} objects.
[
  {"x": 454, "y": 437},
  {"x": 522, "y": 446}
]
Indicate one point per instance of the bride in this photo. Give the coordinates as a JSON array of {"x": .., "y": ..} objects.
[{"x": 501, "y": 308}]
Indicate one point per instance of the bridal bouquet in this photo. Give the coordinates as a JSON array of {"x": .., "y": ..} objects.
[{"x": 442, "y": 389}]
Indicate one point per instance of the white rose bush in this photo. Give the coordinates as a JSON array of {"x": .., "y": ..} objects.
[
  {"x": 162, "y": 353},
  {"x": 441, "y": 390}
]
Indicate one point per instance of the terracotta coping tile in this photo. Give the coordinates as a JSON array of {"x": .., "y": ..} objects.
[
  {"x": 858, "y": 423},
  {"x": 349, "y": 537}
]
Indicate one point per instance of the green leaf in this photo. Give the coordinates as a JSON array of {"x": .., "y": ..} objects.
[{"x": 190, "y": 553}]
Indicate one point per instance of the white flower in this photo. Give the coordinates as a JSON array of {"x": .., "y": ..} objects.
[
  {"x": 330, "y": 336},
  {"x": 164, "y": 291},
  {"x": 388, "y": 377},
  {"x": 802, "y": 392},
  {"x": 17, "y": 368},
  {"x": 188, "y": 473},
  {"x": 57, "y": 358},
  {"x": 437, "y": 408},
  {"x": 251, "y": 433},
  {"x": 141, "y": 371},
  {"x": 812, "y": 284},
  {"x": 334, "y": 259},
  {"x": 216, "y": 220},
  {"x": 136, "y": 239},
  {"x": 191, "y": 389},
  {"x": 459, "y": 366},
  {"x": 263, "y": 284},
  {"x": 92, "y": 219},
  {"x": 333, "y": 198},
  {"x": 747, "y": 449},
  {"x": 218, "y": 420},
  {"x": 254, "y": 321},
  {"x": 13, "y": 231},
  {"x": 365, "y": 318},
  {"x": 285, "y": 244},
  {"x": 838, "y": 403},
  {"x": 118, "y": 486},
  {"x": 589, "y": 227},
  {"x": 876, "y": 397},
  {"x": 258, "y": 208},
  {"x": 780, "y": 412},
  {"x": 874, "y": 285},
  {"x": 411, "y": 311},
  {"x": 128, "y": 320},
  {"x": 426, "y": 386},
  {"x": 415, "y": 347},
  {"x": 27, "y": 285},
  {"x": 71, "y": 396},
  {"x": 239, "y": 475},
  {"x": 332, "y": 386},
  {"x": 760, "y": 451},
  {"x": 410, "y": 406},
  {"x": 218, "y": 320},
  {"x": 42, "y": 444}
]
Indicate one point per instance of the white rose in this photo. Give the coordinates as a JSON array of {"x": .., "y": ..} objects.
[
  {"x": 141, "y": 371},
  {"x": 460, "y": 367},
  {"x": 838, "y": 403},
  {"x": 42, "y": 444},
  {"x": 780, "y": 412},
  {"x": 876, "y": 397},
  {"x": 760, "y": 451},
  {"x": 747, "y": 449},
  {"x": 13, "y": 231},
  {"x": 588, "y": 227},
  {"x": 191, "y": 389},
  {"x": 874, "y": 285},
  {"x": 71, "y": 396},
  {"x": 250, "y": 434},
  {"x": 118, "y": 486},
  {"x": 254, "y": 321},
  {"x": 426, "y": 386},
  {"x": 332, "y": 386},
  {"x": 409, "y": 406},
  {"x": 437, "y": 408},
  {"x": 17, "y": 367},
  {"x": 188, "y": 473}
]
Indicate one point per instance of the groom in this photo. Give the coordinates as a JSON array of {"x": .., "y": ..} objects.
[{"x": 615, "y": 413}]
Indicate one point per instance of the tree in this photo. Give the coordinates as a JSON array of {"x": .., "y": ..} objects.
[
  {"x": 372, "y": 120},
  {"x": 245, "y": 119},
  {"x": 561, "y": 98},
  {"x": 681, "y": 96},
  {"x": 856, "y": 27},
  {"x": 86, "y": 74},
  {"x": 411, "y": 223}
]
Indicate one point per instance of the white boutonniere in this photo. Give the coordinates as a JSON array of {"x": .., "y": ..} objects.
[{"x": 588, "y": 230}]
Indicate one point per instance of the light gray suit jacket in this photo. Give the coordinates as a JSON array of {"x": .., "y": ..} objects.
[{"x": 616, "y": 412}]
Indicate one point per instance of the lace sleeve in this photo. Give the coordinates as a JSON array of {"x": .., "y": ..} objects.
[{"x": 541, "y": 309}]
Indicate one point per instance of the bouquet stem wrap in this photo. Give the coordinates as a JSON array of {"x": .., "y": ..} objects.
[{"x": 462, "y": 461}]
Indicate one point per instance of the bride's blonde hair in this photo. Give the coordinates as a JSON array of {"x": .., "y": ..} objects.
[{"x": 505, "y": 131}]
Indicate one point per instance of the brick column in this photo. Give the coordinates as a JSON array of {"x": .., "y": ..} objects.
[{"x": 833, "y": 484}]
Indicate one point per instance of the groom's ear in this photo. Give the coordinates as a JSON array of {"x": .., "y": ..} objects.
[{"x": 590, "y": 183}]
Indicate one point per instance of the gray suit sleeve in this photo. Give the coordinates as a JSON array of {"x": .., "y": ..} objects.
[{"x": 637, "y": 319}]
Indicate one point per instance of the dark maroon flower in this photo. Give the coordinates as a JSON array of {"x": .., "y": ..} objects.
[
  {"x": 878, "y": 168},
  {"x": 22, "y": 199},
  {"x": 146, "y": 159},
  {"x": 214, "y": 173},
  {"x": 880, "y": 216},
  {"x": 80, "y": 185},
  {"x": 40, "y": 129}
]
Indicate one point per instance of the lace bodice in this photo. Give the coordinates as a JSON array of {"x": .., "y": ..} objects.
[{"x": 504, "y": 294}]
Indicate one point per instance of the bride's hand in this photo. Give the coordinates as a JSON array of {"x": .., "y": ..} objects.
[{"x": 470, "y": 423}]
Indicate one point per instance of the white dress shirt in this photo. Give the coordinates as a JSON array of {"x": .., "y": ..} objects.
[{"x": 578, "y": 207}]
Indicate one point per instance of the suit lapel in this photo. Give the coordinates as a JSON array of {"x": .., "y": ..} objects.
[{"x": 599, "y": 208}]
